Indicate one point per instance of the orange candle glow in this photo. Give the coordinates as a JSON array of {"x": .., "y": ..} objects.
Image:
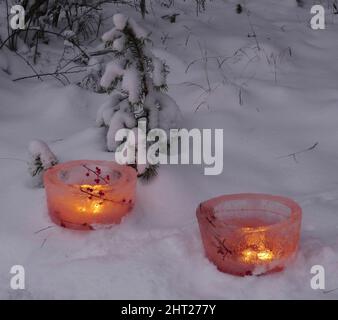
[
  {"x": 247, "y": 234},
  {"x": 86, "y": 194}
]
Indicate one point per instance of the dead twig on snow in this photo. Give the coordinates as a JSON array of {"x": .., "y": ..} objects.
[{"x": 294, "y": 154}]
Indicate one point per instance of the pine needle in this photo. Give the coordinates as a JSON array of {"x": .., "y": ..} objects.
[{"x": 149, "y": 174}]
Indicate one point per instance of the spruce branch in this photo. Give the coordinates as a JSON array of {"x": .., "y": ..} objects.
[{"x": 149, "y": 174}]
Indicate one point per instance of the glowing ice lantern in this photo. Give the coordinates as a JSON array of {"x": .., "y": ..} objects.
[
  {"x": 85, "y": 194},
  {"x": 250, "y": 234}
]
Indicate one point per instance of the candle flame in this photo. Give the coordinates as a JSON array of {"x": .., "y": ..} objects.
[
  {"x": 250, "y": 255},
  {"x": 256, "y": 250},
  {"x": 94, "y": 205},
  {"x": 265, "y": 255}
]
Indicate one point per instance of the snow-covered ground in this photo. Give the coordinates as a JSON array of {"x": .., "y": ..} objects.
[{"x": 271, "y": 101}]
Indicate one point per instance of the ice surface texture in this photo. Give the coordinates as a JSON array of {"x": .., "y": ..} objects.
[
  {"x": 248, "y": 234},
  {"x": 86, "y": 194}
]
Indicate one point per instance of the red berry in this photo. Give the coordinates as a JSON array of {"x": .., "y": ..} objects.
[
  {"x": 97, "y": 181},
  {"x": 108, "y": 178},
  {"x": 87, "y": 174}
]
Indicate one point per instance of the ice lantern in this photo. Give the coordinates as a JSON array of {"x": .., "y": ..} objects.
[
  {"x": 250, "y": 234},
  {"x": 86, "y": 194}
]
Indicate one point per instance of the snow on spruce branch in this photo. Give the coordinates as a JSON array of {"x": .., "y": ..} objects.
[{"x": 41, "y": 159}]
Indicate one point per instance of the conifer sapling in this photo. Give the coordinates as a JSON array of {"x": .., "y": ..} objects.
[{"x": 136, "y": 82}]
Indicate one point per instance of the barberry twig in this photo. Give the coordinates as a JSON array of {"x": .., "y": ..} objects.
[
  {"x": 91, "y": 194},
  {"x": 98, "y": 196},
  {"x": 97, "y": 173},
  {"x": 221, "y": 248}
]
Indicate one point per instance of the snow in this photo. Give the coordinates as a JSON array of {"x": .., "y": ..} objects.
[
  {"x": 111, "y": 35},
  {"x": 169, "y": 116},
  {"x": 119, "y": 44},
  {"x": 70, "y": 37},
  {"x": 120, "y": 21},
  {"x": 112, "y": 71},
  {"x": 39, "y": 148},
  {"x": 41, "y": 159},
  {"x": 107, "y": 109},
  {"x": 159, "y": 77},
  {"x": 139, "y": 31},
  {"x": 153, "y": 111},
  {"x": 3, "y": 61},
  {"x": 270, "y": 102},
  {"x": 121, "y": 119},
  {"x": 131, "y": 84},
  {"x": 94, "y": 65}
]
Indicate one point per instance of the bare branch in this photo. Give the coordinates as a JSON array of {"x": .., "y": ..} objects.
[{"x": 49, "y": 74}]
